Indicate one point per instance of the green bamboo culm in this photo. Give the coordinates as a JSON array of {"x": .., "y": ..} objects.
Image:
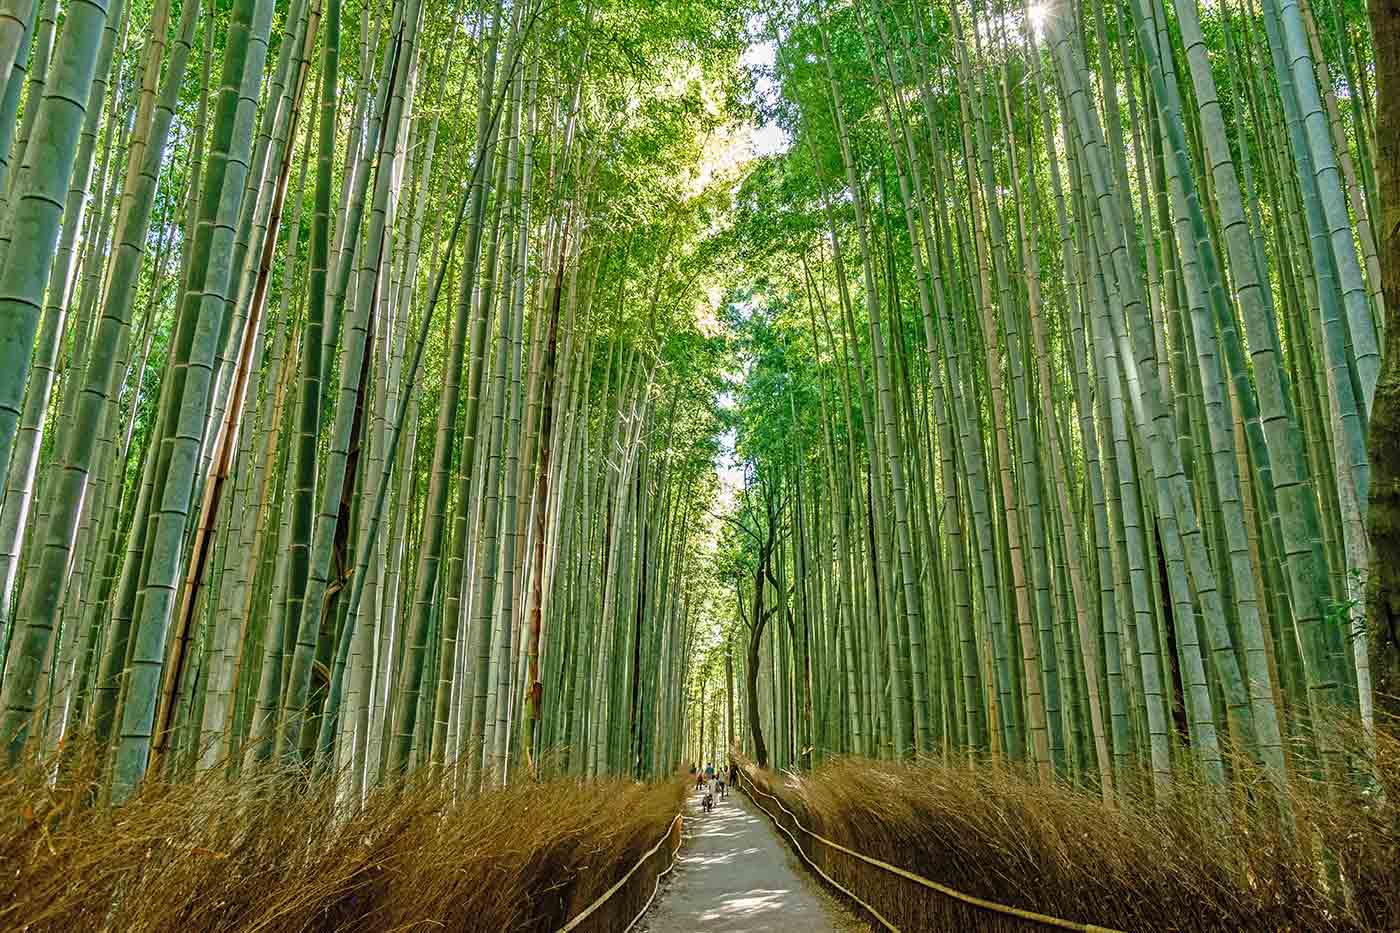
[
  {"x": 35, "y": 216},
  {"x": 203, "y": 305}
]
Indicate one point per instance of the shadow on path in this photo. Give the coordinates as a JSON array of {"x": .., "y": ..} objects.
[{"x": 734, "y": 873}]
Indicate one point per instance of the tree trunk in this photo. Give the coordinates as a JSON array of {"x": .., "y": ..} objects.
[
  {"x": 760, "y": 747},
  {"x": 1383, "y": 604}
]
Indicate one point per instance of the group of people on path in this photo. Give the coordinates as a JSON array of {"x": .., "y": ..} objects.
[{"x": 714, "y": 783}]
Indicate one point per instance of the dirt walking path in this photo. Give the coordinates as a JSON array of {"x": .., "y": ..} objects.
[{"x": 735, "y": 874}]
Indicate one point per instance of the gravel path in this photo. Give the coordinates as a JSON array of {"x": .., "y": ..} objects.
[{"x": 735, "y": 874}]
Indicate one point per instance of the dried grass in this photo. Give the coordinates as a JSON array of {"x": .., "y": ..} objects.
[
  {"x": 1194, "y": 862},
  {"x": 271, "y": 854}
]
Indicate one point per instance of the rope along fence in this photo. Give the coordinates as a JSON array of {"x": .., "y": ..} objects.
[
  {"x": 671, "y": 830},
  {"x": 948, "y": 908}
]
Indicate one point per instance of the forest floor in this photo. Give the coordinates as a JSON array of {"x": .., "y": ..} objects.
[{"x": 735, "y": 874}]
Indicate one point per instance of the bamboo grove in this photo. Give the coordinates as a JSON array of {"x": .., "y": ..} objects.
[
  {"x": 357, "y": 402},
  {"x": 1060, "y": 348},
  {"x": 367, "y": 374}
]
